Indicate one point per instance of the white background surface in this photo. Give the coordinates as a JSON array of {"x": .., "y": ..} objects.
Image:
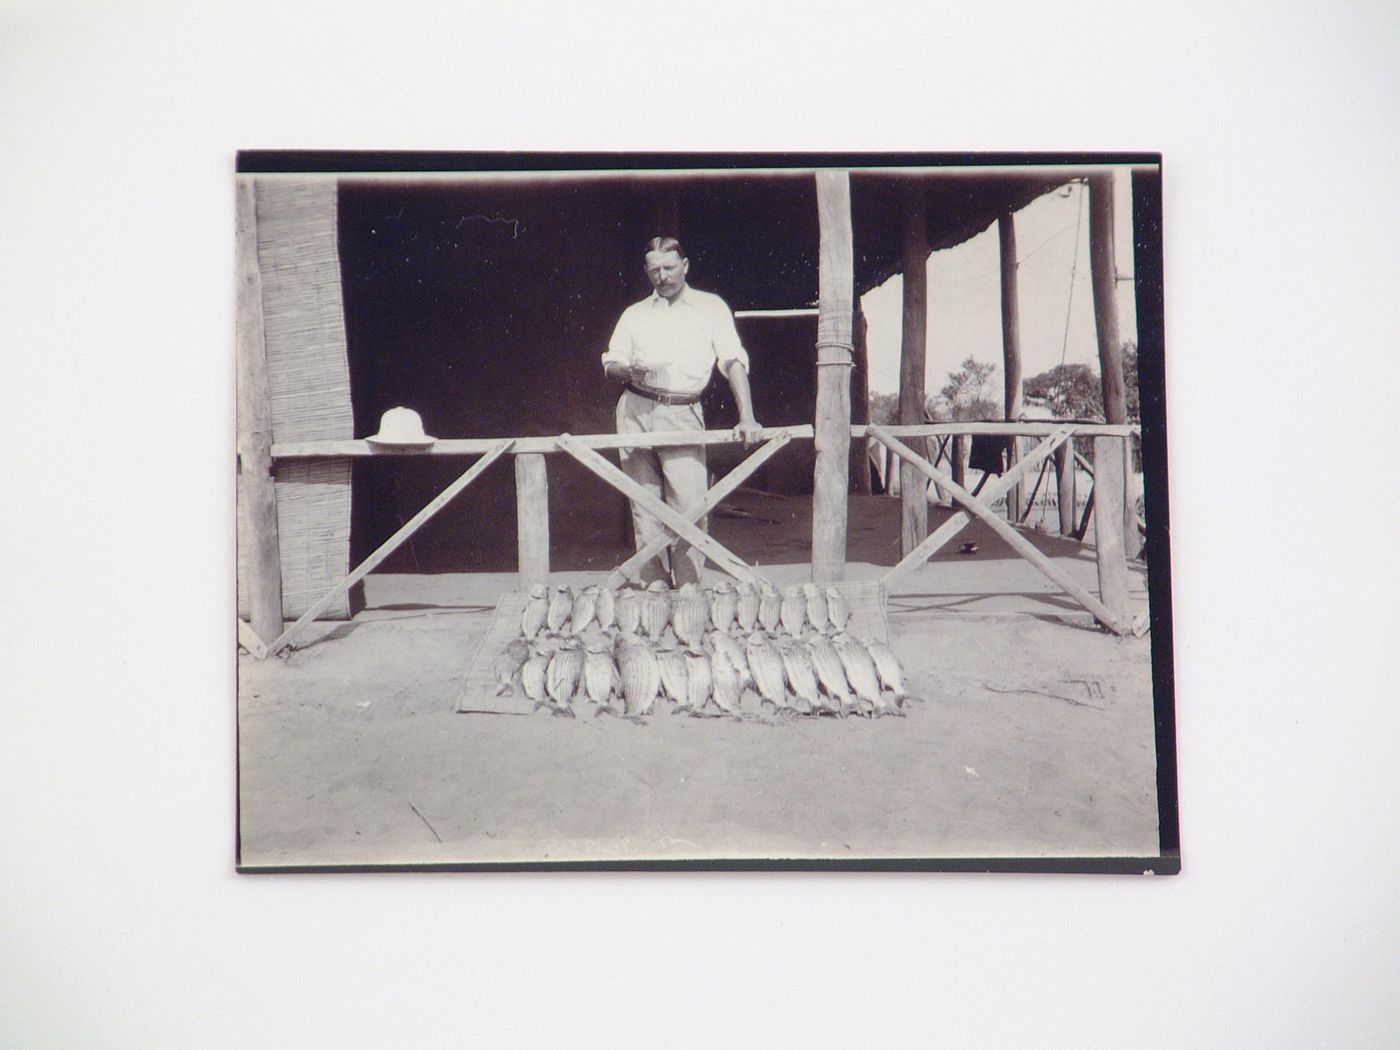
[{"x": 121, "y": 921}]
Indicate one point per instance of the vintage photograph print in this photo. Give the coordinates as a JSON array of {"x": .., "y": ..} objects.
[{"x": 702, "y": 511}]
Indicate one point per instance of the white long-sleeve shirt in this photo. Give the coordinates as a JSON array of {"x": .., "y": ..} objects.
[{"x": 677, "y": 341}]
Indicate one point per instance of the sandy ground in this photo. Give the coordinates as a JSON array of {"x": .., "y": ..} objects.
[{"x": 1032, "y": 737}]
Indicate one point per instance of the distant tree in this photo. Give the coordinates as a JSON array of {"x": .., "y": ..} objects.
[
  {"x": 966, "y": 395},
  {"x": 884, "y": 409},
  {"x": 1130, "y": 381},
  {"x": 1069, "y": 391}
]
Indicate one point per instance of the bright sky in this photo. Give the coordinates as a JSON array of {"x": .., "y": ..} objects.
[{"x": 964, "y": 294}]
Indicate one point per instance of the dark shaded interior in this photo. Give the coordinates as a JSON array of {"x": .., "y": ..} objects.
[{"x": 485, "y": 303}]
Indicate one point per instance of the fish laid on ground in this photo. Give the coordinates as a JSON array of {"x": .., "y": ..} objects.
[
  {"x": 672, "y": 665},
  {"x": 792, "y": 612},
  {"x": 726, "y": 684},
  {"x": 690, "y": 615},
  {"x": 605, "y": 607},
  {"x": 700, "y": 683},
  {"x": 656, "y": 609},
  {"x": 585, "y": 602},
  {"x": 745, "y": 606},
  {"x": 562, "y": 676},
  {"x": 507, "y": 665},
  {"x": 532, "y": 678},
  {"x": 724, "y": 604},
  {"x": 830, "y": 673},
  {"x": 837, "y": 609},
  {"x": 860, "y": 672},
  {"x": 641, "y": 675},
  {"x": 816, "y": 607},
  {"x": 887, "y": 667},
  {"x": 532, "y": 617},
  {"x": 600, "y": 678},
  {"x": 770, "y": 605},
  {"x": 801, "y": 677},
  {"x": 766, "y": 666},
  {"x": 629, "y": 611},
  {"x": 561, "y": 604},
  {"x": 721, "y": 642}
]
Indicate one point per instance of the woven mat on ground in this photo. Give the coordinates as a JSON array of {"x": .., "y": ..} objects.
[{"x": 478, "y": 690}]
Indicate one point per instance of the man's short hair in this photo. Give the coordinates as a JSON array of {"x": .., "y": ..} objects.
[{"x": 665, "y": 244}]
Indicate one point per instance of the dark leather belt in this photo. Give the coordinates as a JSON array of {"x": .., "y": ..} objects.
[{"x": 662, "y": 397}]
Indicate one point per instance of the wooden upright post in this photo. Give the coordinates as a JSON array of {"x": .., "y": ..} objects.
[
  {"x": 1011, "y": 346},
  {"x": 1104, "y": 271},
  {"x": 860, "y": 400},
  {"x": 257, "y": 492},
  {"x": 532, "y": 518},
  {"x": 831, "y": 484},
  {"x": 1108, "y": 526},
  {"x": 913, "y": 486},
  {"x": 1065, "y": 486}
]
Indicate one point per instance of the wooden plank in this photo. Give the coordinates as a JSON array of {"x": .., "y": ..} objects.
[
  {"x": 832, "y": 435},
  {"x": 1024, "y": 428},
  {"x": 248, "y": 638},
  {"x": 1065, "y": 486},
  {"x": 721, "y": 491},
  {"x": 1108, "y": 526},
  {"x": 913, "y": 490},
  {"x": 477, "y": 692},
  {"x": 941, "y": 536},
  {"x": 1018, "y": 543},
  {"x": 257, "y": 494},
  {"x": 479, "y": 446},
  {"x": 532, "y": 519},
  {"x": 1010, "y": 345},
  {"x": 1104, "y": 272},
  {"x": 392, "y": 543},
  {"x": 672, "y": 519}
]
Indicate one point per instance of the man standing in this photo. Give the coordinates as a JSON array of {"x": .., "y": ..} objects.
[{"x": 664, "y": 349}]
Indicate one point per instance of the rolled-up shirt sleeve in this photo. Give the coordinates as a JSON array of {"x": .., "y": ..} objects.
[
  {"x": 728, "y": 347},
  {"x": 621, "y": 345}
]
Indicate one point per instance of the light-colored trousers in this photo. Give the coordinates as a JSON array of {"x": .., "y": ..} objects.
[{"x": 675, "y": 475}]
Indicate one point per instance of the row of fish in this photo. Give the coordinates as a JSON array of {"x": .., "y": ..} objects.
[
  {"x": 689, "y": 612},
  {"x": 838, "y": 675}
]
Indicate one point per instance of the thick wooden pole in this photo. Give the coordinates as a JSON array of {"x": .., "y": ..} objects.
[
  {"x": 1104, "y": 270},
  {"x": 257, "y": 492},
  {"x": 1065, "y": 487},
  {"x": 860, "y": 400},
  {"x": 1011, "y": 346},
  {"x": 1108, "y": 526},
  {"x": 913, "y": 486},
  {"x": 532, "y": 519},
  {"x": 831, "y": 484}
]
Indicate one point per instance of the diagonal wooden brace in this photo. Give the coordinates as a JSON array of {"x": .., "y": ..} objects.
[
  {"x": 391, "y": 544},
  {"x": 994, "y": 520},
  {"x": 672, "y": 519},
  {"x": 940, "y": 537},
  {"x": 713, "y": 498}
]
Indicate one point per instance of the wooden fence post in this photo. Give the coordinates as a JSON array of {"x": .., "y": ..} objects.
[
  {"x": 913, "y": 486},
  {"x": 1105, "y": 283},
  {"x": 831, "y": 484},
  {"x": 256, "y": 488},
  {"x": 1010, "y": 347},
  {"x": 1108, "y": 525},
  {"x": 532, "y": 518},
  {"x": 1065, "y": 486}
]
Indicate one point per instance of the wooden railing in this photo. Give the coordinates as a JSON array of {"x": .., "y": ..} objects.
[{"x": 1110, "y": 441}]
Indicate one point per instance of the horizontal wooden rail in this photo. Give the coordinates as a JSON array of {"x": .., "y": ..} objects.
[
  {"x": 670, "y": 439},
  {"x": 478, "y": 446},
  {"x": 1038, "y": 428}
]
